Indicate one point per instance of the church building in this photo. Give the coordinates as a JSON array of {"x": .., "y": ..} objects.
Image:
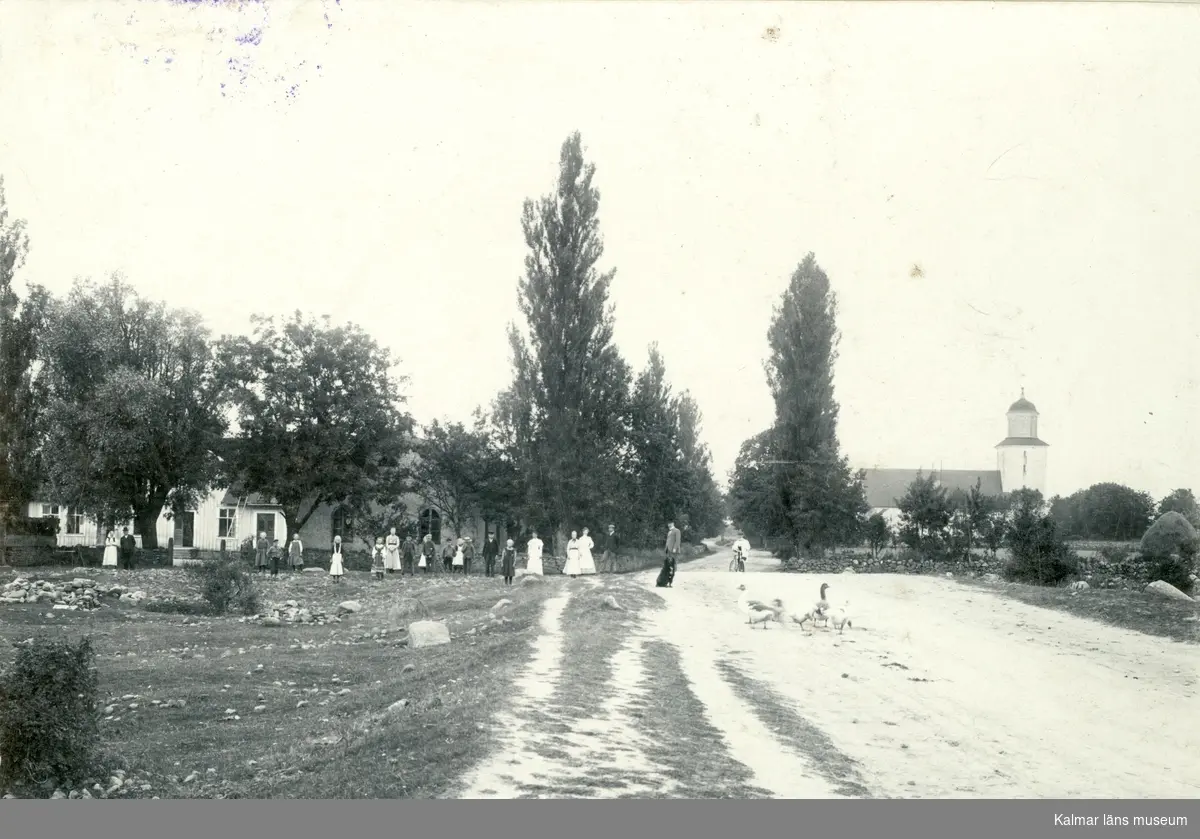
[{"x": 1020, "y": 463}]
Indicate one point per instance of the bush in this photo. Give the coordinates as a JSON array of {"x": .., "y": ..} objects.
[
  {"x": 1172, "y": 534},
  {"x": 1174, "y": 570},
  {"x": 1040, "y": 556},
  {"x": 225, "y": 585},
  {"x": 49, "y": 725},
  {"x": 47, "y": 526}
]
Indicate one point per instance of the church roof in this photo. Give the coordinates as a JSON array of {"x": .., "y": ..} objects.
[
  {"x": 885, "y": 486},
  {"x": 1022, "y": 406},
  {"x": 1021, "y": 441}
]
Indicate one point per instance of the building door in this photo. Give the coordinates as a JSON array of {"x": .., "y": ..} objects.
[
  {"x": 185, "y": 530},
  {"x": 266, "y": 524}
]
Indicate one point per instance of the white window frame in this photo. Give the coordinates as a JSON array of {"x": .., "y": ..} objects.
[{"x": 227, "y": 514}]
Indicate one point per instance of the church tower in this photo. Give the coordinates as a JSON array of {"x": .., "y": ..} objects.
[{"x": 1021, "y": 456}]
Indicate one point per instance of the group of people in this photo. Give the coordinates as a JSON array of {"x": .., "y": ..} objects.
[
  {"x": 391, "y": 555},
  {"x": 268, "y": 555},
  {"x": 119, "y": 553}
]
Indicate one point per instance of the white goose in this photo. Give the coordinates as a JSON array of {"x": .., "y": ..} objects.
[{"x": 756, "y": 611}]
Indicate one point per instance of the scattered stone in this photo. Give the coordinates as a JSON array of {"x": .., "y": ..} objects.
[
  {"x": 271, "y": 620},
  {"x": 427, "y": 634},
  {"x": 532, "y": 579},
  {"x": 343, "y": 692},
  {"x": 1165, "y": 589},
  {"x": 303, "y": 703},
  {"x": 349, "y": 606},
  {"x": 408, "y": 668},
  {"x": 848, "y": 570},
  {"x": 501, "y": 605},
  {"x": 258, "y": 709},
  {"x": 192, "y": 778},
  {"x": 397, "y": 706},
  {"x": 1079, "y": 585},
  {"x": 58, "y": 794},
  {"x": 610, "y": 602}
]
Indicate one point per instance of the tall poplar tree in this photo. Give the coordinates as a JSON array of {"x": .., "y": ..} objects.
[
  {"x": 819, "y": 498},
  {"x": 565, "y": 412}
]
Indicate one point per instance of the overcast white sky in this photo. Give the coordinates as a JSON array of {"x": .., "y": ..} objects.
[{"x": 368, "y": 160}]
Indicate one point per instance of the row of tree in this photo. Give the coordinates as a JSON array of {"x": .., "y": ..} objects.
[{"x": 121, "y": 407}]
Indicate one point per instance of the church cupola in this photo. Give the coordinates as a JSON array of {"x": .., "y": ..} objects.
[{"x": 1022, "y": 418}]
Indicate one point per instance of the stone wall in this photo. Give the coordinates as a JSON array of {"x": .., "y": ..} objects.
[
  {"x": 1102, "y": 566},
  {"x": 78, "y": 557}
]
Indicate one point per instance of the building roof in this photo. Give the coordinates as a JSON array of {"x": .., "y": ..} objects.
[
  {"x": 1022, "y": 406},
  {"x": 254, "y": 499},
  {"x": 885, "y": 486},
  {"x": 1021, "y": 441}
]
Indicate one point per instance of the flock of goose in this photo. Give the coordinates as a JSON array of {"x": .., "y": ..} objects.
[{"x": 822, "y": 612}]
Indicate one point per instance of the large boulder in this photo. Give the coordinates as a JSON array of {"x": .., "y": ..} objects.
[
  {"x": 347, "y": 607},
  {"x": 1164, "y": 589},
  {"x": 427, "y": 634}
]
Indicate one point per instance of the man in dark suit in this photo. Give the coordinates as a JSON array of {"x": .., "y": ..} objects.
[
  {"x": 610, "y": 546},
  {"x": 491, "y": 550},
  {"x": 674, "y": 540},
  {"x": 128, "y": 546}
]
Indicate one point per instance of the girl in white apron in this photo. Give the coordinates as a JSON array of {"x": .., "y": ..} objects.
[
  {"x": 336, "y": 570},
  {"x": 459, "y": 558}
]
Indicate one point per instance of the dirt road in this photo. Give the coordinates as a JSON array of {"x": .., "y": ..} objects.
[{"x": 937, "y": 690}]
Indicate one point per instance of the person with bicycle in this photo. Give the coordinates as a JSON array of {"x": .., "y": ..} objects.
[{"x": 741, "y": 550}]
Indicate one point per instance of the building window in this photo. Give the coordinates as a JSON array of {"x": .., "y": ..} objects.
[
  {"x": 340, "y": 523},
  {"x": 265, "y": 523},
  {"x": 49, "y": 510},
  {"x": 74, "y": 522},
  {"x": 227, "y": 523},
  {"x": 430, "y": 522}
]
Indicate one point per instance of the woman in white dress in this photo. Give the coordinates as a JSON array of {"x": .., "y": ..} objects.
[
  {"x": 571, "y": 569},
  {"x": 533, "y": 555},
  {"x": 391, "y": 553},
  {"x": 587, "y": 565},
  {"x": 457, "y": 562},
  {"x": 110, "y": 550},
  {"x": 336, "y": 569}
]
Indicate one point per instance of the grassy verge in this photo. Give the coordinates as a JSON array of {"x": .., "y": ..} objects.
[
  {"x": 795, "y": 732},
  {"x": 315, "y": 707},
  {"x": 688, "y": 751},
  {"x": 693, "y": 750},
  {"x": 593, "y": 633},
  {"x": 1135, "y": 610}
]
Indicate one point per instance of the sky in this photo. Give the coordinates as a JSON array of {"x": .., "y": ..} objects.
[{"x": 1004, "y": 196}]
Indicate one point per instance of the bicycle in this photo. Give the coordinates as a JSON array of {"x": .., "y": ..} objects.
[{"x": 737, "y": 563}]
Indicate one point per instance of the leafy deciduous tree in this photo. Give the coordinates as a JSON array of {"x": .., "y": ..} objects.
[
  {"x": 321, "y": 419},
  {"x": 135, "y": 411}
]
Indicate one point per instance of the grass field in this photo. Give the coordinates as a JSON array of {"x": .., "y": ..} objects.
[
  {"x": 310, "y": 704},
  {"x": 1135, "y": 610}
]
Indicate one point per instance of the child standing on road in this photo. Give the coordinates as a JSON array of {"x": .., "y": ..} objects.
[
  {"x": 274, "y": 555},
  {"x": 377, "y": 559},
  {"x": 335, "y": 562},
  {"x": 508, "y": 562}
]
